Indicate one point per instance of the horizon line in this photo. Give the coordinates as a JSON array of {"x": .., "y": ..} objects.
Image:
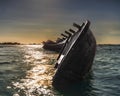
[{"x": 41, "y": 43}]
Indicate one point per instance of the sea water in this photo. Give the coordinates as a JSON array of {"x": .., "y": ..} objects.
[{"x": 27, "y": 70}]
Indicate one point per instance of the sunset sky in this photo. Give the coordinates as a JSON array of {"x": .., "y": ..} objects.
[{"x": 29, "y": 21}]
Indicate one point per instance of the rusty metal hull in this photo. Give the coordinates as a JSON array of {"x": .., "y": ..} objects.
[{"x": 76, "y": 59}]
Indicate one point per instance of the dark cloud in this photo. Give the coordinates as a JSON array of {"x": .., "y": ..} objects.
[{"x": 58, "y": 15}]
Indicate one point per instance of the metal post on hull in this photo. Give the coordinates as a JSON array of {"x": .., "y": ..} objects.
[{"x": 72, "y": 31}]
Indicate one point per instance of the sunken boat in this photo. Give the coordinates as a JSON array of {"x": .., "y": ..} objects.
[
  {"x": 59, "y": 43},
  {"x": 54, "y": 46},
  {"x": 75, "y": 60}
]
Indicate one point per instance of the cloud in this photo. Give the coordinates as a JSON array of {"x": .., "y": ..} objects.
[{"x": 47, "y": 18}]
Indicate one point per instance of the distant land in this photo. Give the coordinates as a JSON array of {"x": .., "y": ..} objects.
[
  {"x": 16, "y": 43},
  {"x": 10, "y": 43}
]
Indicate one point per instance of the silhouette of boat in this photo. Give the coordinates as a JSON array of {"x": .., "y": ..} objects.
[
  {"x": 54, "y": 46},
  {"x": 59, "y": 43},
  {"x": 75, "y": 59}
]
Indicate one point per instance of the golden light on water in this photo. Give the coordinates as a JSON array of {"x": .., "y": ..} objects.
[{"x": 38, "y": 79}]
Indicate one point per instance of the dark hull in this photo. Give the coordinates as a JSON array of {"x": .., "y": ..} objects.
[
  {"x": 54, "y": 47},
  {"x": 75, "y": 60},
  {"x": 59, "y": 43}
]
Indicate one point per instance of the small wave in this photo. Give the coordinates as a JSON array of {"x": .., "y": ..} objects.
[
  {"x": 4, "y": 63},
  {"x": 37, "y": 80},
  {"x": 8, "y": 62}
]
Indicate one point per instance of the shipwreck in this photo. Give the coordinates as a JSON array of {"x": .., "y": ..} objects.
[
  {"x": 60, "y": 42},
  {"x": 76, "y": 57}
]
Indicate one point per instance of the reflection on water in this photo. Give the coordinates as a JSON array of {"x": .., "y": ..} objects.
[
  {"x": 38, "y": 78},
  {"x": 27, "y": 70},
  {"x": 38, "y": 66},
  {"x": 37, "y": 81}
]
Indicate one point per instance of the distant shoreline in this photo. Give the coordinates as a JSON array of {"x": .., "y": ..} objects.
[
  {"x": 10, "y": 43},
  {"x": 16, "y": 43}
]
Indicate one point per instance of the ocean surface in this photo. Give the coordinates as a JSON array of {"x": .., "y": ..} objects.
[{"x": 27, "y": 70}]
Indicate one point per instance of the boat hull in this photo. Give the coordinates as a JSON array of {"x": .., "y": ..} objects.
[
  {"x": 53, "y": 47},
  {"x": 76, "y": 59}
]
